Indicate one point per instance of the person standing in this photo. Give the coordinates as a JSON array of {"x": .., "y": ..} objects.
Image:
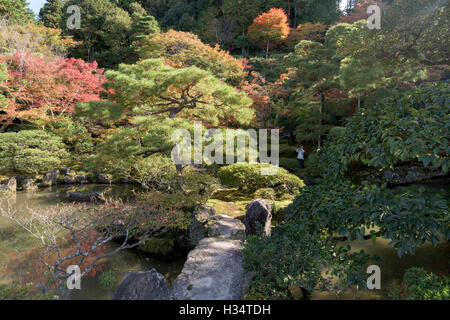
[{"x": 301, "y": 156}]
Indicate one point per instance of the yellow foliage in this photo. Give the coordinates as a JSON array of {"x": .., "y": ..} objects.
[
  {"x": 184, "y": 49},
  {"x": 33, "y": 38}
]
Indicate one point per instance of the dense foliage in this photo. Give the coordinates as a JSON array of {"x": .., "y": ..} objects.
[
  {"x": 150, "y": 100},
  {"x": 32, "y": 38},
  {"x": 250, "y": 177},
  {"x": 16, "y": 11},
  {"x": 412, "y": 128},
  {"x": 182, "y": 49},
  {"x": 31, "y": 152},
  {"x": 336, "y": 210},
  {"x": 365, "y": 103},
  {"x": 426, "y": 286}
]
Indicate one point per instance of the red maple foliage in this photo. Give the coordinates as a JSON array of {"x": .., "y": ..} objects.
[
  {"x": 40, "y": 88},
  {"x": 264, "y": 94}
]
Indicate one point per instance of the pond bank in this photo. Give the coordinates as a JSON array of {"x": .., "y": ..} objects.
[{"x": 19, "y": 251}]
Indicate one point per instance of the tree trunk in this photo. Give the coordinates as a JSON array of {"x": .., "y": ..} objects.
[
  {"x": 90, "y": 53},
  {"x": 322, "y": 105},
  {"x": 267, "y": 50}
]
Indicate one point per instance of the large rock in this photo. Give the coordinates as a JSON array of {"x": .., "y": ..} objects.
[
  {"x": 86, "y": 197},
  {"x": 226, "y": 227},
  {"x": 198, "y": 230},
  {"x": 258, "y": 214},
  {"x": 28, "y": 184},
  {"x": 8, "y": 185},
  {"x": 213, "y": 271},
  {"x": 51, "y": 178},
  {"x": 104, "y": 178},
  {"x": 82, "y": 179},
  {"x": 149, "y": 285},
  {"x": 69, "y": 180},
  {"x": 203, "y": 213}
]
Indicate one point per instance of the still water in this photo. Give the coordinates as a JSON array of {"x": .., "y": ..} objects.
[
  {"x": 19, "y": 251},
  {"x": 433, "y": 259}
]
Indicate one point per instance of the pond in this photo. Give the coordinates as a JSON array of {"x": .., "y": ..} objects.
[
  {"x": 19, "y": 251},
  {"x": 392, "y": 267}
]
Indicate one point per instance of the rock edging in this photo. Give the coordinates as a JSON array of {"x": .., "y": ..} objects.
[{"x": 213, "y": 269}]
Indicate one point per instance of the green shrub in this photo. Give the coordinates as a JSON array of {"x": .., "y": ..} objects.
[
  {"x": 290, "y": 164},
  {"x": 31, "y": 151},
  {"x": 16, "y": 292},
  {"x": 248, "y": 177},
  {"x": 73, "y": 134},
  {"x": 336, "y": 132},
  {"x": 270, "y": 68},
  {"x": 409, "y": 128},
  {"x": 426, "y": 286},
  {"x": 265, "y": 193},
  {"x": 294, "y": 257},
  {"x": 107, "y": 279},
  {"x": 311, "y": 160},
  {"x": 157, "y": 171}
]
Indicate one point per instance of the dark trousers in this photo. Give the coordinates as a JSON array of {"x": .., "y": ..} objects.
[{"x": 301, "y": 162}]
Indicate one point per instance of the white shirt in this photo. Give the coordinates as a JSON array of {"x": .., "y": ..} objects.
[{"x": 301, "y": 153}]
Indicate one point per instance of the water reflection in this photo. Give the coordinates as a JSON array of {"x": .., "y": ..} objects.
[
  {"x": 433, "y": 259},
  {"x": 19, "y": 251}
]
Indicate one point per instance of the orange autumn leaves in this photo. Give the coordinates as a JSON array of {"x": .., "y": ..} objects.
[{"x": 269, "y": 27}]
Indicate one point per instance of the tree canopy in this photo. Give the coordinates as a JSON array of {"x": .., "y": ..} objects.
[
  {"x": 16, "y": 11},
  {"x": 152, "y": 99}
]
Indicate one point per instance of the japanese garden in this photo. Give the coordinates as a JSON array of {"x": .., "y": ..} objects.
[{"x": 224, "y": 150}]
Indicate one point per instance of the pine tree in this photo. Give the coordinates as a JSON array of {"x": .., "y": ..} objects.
[
  {"x": 16, "y": 11},
  {"x": 51, "y": 13},
  {"x": 142, "y": 27},
  {"x": 148, "y": 101},
  {"x": 314, "y": 77}
]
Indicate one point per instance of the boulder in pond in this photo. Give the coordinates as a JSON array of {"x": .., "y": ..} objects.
[
  {"x": 28, "y": 184},
  {"x": 197, "y": 230},
  {"x": 104, "y": 178},
  {"x": 8, "y": 185},
  {"x": 69, "y": 180},
  {"x": 51, "y": 178},
  {"x": 82, "y": 179},
  {"x": 124, "y": 180},
  {"x": 223, "y": 226},
  {"x": 148, "y": 285},
  {"x": 258, "y": 215},
  {"x": 86, "y": 197},
  {"x": 213, "y": 271}
]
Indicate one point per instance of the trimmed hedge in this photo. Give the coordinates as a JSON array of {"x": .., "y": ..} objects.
[{"x": 248, "y": 177}]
